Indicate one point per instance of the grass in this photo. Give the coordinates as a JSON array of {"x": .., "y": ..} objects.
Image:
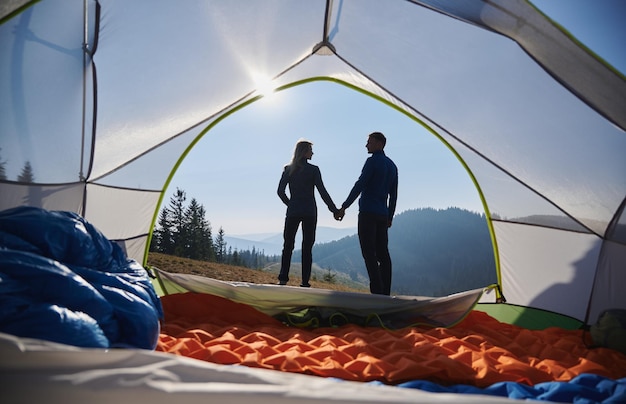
[{"x": 266, "y": 275}]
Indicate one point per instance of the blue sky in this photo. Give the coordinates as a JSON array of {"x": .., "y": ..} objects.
[{"x": 244, "y": 170}]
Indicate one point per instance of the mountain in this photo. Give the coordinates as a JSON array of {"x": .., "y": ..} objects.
[
  {"x": 244, "y": 243},
  {"x": 272, "y": 243},
  {"x": 434, "y": 252}
]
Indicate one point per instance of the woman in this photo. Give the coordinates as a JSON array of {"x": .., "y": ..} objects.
[{"x": 302, "y": 177}]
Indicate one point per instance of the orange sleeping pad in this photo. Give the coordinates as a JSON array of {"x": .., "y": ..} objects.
[{"x": 480, "y": 351}]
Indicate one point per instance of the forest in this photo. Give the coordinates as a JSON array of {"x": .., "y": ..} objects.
[
  {"x": 435, "y": 252},
  {"x": 183, "y": 230}
]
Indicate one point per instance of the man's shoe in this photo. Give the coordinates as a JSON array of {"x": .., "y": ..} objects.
[
  {"x": 305, "y": 285},
  {"x": 282, "y": 283}
]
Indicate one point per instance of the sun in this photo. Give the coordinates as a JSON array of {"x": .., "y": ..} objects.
[{"x": 265, "y": 86}]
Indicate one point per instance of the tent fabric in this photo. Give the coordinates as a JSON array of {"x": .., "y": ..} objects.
[
  {"x": 34, "y": 371},
  {"x": 480, "y": 353},
  {"x": 62, "y": 280},
  {"x": 128, "y": 87},
  {"x": 103, "y": 97},
  {"x": 536, "y": 118},
  {"x": 276, "y": 300}
]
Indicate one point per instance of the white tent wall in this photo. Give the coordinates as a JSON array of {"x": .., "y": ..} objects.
[
  {"x": 216, "y": 49},
  {"x": 133, "y": 211},
  {"x": 610, "y": 279},
  {"x": 509, "y": 98},
  {"x": 563, "y": 57},
  {"x": 42, "y": 112},
  {"x": 164, "y": 71},
  {"x": 42, "y": 371},
  {"x": 52, "y": 197},
  {"x": 545, "y": 268},
  {"x": 148, "y": 171}
]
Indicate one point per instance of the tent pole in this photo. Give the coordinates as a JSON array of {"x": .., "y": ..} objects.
[{"x": 81, "y": 175}]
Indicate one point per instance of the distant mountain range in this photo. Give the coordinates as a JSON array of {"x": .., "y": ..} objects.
[
  {"x": 434, "y": 252},
  {"x": 272, "y": 243}
]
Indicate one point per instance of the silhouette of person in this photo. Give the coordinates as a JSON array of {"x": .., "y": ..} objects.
[
  {"x": 378, "y": 187},
  {"x": 302, "y": 179}
]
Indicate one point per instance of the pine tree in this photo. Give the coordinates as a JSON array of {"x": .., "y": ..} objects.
[
  {"x": 235, "y": 258},
  {"x": 220, "y": 246},
  {"x": 329, "y": 276},
  {"x": 228, "y": 258},
  {"x": 162, "y": 238},
  {"x": 3, "y": 173},
  {"x": 27, "y": 174},
  {"x": 254, "y": 258},
  {"x": 185, "y": 232},
  {"x": 199, "y": 243},
  {"x": 177, "y": 220}
]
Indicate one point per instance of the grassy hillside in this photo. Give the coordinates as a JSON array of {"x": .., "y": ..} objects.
[
  {"x": 434, "y": 253},
  {"x": 267, "y": 275}
]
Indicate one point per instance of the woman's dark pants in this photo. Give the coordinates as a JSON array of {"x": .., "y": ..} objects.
[{"x": 292, "y": 223}]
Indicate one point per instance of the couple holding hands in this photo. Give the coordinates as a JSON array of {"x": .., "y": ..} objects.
[{"x": 378, "y": 187}]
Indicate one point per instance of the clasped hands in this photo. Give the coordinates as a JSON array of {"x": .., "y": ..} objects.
[{"x": 340, "y": 214}]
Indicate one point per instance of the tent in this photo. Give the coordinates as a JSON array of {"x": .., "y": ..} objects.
[
  {"x": 129, "y": 88},
  {"x": 101, "y": 100}
]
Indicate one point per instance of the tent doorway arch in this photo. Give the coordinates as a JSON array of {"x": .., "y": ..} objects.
[{"x": 233, "y": 165}]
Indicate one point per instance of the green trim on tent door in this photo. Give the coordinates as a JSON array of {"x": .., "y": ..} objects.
[{"x": 362, "y": 91}]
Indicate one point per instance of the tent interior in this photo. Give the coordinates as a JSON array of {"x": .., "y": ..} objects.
[{"x": 102, "y": 100}]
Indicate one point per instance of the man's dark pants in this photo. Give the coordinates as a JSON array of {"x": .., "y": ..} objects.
[{"x": 374, "y": 247}]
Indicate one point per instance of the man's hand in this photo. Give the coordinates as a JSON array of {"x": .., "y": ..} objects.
[{"x": 340, "y": 214}]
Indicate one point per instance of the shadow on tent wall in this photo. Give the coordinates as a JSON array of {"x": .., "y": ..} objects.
[{"x": 539, "y": 319}]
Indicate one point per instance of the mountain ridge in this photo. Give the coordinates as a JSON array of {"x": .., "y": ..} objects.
[
  {"x": 434, "y": 252},
  {"x": 272, "y": 243}
]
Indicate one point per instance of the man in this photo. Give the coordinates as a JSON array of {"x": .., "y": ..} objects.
[{"x": 378, "y": 187}]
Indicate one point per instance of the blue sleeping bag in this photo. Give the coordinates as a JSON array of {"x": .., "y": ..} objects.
[{"x": 62, "y": 280}]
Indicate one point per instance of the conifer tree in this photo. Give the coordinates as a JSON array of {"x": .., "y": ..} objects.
[
  {"x": 27, "y": 173},
  {"x": 162, "y": 239},
  {"x": 184, "y": 231},
  {"x": 3, "y": 173},
  {"x": 220, "y": 246},
  {"x": 177, "y": 220},
  {"x": 235, "y": 258},
  {"x": 199, "y": 241}
]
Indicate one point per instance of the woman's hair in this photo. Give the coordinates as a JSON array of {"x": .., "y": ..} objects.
[{"x": 299, "y": 155}]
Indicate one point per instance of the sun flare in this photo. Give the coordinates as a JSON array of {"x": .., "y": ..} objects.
[{"x": 264, "y": 86}]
